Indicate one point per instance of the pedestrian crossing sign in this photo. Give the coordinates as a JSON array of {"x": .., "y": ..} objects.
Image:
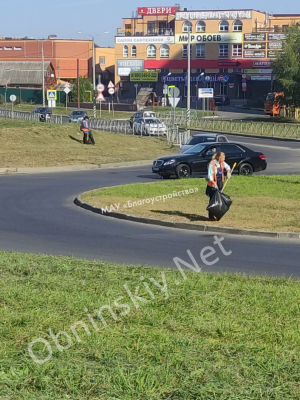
[{"x": 51, "y": 95}]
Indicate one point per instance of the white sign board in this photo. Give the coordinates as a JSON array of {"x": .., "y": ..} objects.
[
  {"x": 67, "y": 90},
  {"x": 111, "y": 91},
  {"x": 205, "y": 93},
  {"x": 12, "y": 98},
  {"x": 145, "y": 40},
  {"x": 174, "y": 101}
]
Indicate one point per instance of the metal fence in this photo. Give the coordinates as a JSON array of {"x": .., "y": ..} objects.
[
  {"x": 27, "y": 116},
  {"x": 268, "y": 129}
]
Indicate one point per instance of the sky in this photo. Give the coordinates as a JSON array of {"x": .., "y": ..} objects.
[{"x": 41, "y": 18}]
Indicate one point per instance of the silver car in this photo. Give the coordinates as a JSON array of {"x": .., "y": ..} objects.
[
  {"x": 202, "y": 138},
  {"x": 149, "y": 126}
]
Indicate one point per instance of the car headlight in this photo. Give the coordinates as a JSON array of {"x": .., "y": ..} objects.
[{"x": 169, "y": 162}]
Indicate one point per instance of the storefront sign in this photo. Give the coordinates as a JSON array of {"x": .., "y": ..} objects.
[
  {"x": 124, "y": 67},
  {"x": 276, "y": 36},
  {"x": 261, "y": 78},
  {"x": 273, "y": 54},
  {"x": 200, "y": 15},
  {"x": 157, "y": 10},
  {"x": 231, "y": 85},
  {"x": 275, "y": 45},
  {"x": 196, "y": 78},
  {"x": 209, "y": 38},
  {"x": 261, "y": 64},
  {"x": 254, "y": 54},
  {"x": 254, "y": 46},
  {"x": 254, "y": 37},
  {"x": 144, "y": 76},
  {"x": 258, "y": 71},
  {"x": 144, "y": 39}
]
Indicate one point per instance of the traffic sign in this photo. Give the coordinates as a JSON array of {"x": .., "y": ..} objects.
[
  {"x": 111, "y": 91},
  {"x": 110, "y": 85},
  {"x": 174, "y": 101},
  {"x": 173, "y": 91},
  {"x": 67, "y": 84},
  {"x": 100, "y": 87},
  {"x": 51, "y": 95},
  {"x": 204, "y": 93},
  {"x": 67, "y": 90},
  {"x": 12, "y": 98},
  {"x": 100, "y": 97}
]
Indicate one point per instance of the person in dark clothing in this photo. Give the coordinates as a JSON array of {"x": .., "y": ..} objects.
[
  {"x": 86, "y": 130},
  {"x": 215, "y": 177}
]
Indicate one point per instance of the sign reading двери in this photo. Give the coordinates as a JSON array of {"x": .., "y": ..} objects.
[
  {"x": 181, "y": 38},
  {"x": 144, "y": 76}
]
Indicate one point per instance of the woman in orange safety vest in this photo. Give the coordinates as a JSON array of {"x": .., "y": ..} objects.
[
  {"x": 86, "y": 130},
  {"x": 215, "y": 177}
]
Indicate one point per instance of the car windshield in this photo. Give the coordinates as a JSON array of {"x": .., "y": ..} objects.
[
  {"x": 46, "y": 110},
  {"x": 270, "y": 96},
  {"x": 152, "y": 121},
  {"x": 195, "y": 149},
  {"x": 149, "y": 114},
  {"x": 78, "y": 112},
  {"x": 200, "y": 139}
]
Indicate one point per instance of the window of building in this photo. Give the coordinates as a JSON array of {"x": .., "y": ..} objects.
[
  {"x": 125, "y": 51},
  {"x": 224, "y": 70},
  {"x": 127, "y": 27},
  {"x": 237, "y": 26},
  {"x": 102, "y": 60},
  {"x": 17, "y": 48},
  {"x": 151, "y": 51},
  {"x": 1, "y": 48},
  {"x": 237, "y": 50},
  {"x": 186, "y": 26},
  {"x": 164, "y": 51},
  {"x": 200, "y": 50},
  {"x": 200, "y": 70},
  {"x": 7, "y": 48},
  {"x": 223, "y": 50},
  {"x": 237, "y": 70},
  {"x": 223, "y": 88},
  {"x": 133, "y": 51},
  {"x": 185, "y": 51},
  {"x": 224, "y": 26},
  {"x": 285, "y": 28},
  {"x": 151, "y": 28},
  {"x": 200, "y": 26}
]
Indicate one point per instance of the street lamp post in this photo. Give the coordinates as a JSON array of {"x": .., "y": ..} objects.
[
  {"x": 188, "y": 103},
  {"x": 94, "y": 66},
  {"x": 43, "y": 73},
  {"x": 165, "y": 89}
]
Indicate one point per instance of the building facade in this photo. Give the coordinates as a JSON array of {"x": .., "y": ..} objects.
[{"x": 231, "y": 50}]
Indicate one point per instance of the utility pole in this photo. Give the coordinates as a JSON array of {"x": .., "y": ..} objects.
[
  {"x": 188, "y": 102},
  {"x": 78, "y": 85},
  {"x": 43, "y": 77},
  {"x": 94, "y": 77}
]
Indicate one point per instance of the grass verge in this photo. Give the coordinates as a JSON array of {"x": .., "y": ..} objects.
[
  {"x": 35, "y": 144},
  {"x": 214, "y": 337},
  {"x": 259, "y": 202}
]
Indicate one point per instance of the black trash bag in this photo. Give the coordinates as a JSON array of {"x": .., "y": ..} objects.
[
  {"x": 219, "y": 204},
  {"x": 92, "y": 140}
]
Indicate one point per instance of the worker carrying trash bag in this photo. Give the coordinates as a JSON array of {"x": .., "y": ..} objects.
[{"x": 215, "y": 178}]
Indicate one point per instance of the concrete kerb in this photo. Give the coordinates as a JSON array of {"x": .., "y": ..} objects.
[
  {"x": 185, "y": 225},
  {"x": 73, "y": 168}
]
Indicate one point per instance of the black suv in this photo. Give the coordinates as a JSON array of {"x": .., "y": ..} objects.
[
  {"x": 195, "y": 160},
  {"x": 44, "y": 113}
]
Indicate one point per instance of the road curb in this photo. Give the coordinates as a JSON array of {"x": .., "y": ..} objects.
[
  {"x": 185, "y": 225},
  {"x": 73, "y": 168}
]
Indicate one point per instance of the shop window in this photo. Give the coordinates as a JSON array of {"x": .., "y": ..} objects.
[
  {"x": 224, "y": 26},
  {"x": 151, "y": 51},
  {"x": 200, "y": 50},
  {"x": 200, "y": 26},
  {"x": 185, "y": 51},
  {"x": 164, "y": 51},
  {"x": 151, "y": 28},
  {"x": 237, "y": 50},
  {"x": 133, "y": 51},
  {"x": 237, "y": 26},
  {"x": 187, "y": 26},
  {"x": 223, "y": 50},
  {"x": 125, "y": 51}
]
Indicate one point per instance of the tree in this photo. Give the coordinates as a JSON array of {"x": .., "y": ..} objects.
[
  {"x": 86, "y": 89},
  {"x": 287, "y": 67}
]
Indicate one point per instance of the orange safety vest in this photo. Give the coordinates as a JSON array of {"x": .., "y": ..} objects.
[
  {"x": 215, "y": 174},
  {"x": 85, "y": 129}
]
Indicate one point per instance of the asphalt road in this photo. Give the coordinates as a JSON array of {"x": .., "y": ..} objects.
[{"x": 38, "y": 216}]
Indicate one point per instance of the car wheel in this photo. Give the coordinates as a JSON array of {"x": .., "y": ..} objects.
[
  {"x": 183, "y": 171},
  {"x": 246, "y": 169}
]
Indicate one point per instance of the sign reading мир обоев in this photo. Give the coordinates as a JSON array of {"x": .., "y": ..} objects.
[
  {"x": 254, "y": 46},
  {"x": 144, "y": 76},
  {"x": 144, "y": 40},
  {"x": 202, "y": 15},
  {"x": 209, "y": 38},
  {"x": 254, "y": 37},
  {"x": 157, "y": 10}
]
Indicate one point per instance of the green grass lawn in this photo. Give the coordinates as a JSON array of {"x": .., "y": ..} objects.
[
  {"x": 259, "y": 202},
  {"x": 212, "y": 336},
  {"x": 37, "y": 144}
]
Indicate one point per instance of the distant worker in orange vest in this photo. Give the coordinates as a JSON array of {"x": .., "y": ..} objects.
[
  {"x": 215, "y": 178},
  {"x": 86, "y": 130}
]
